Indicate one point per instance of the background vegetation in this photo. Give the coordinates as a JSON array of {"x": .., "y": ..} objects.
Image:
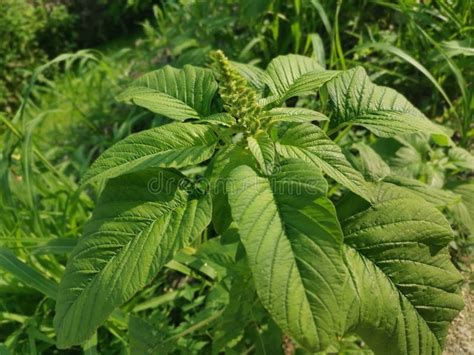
[{"x": 63, "y": 62}]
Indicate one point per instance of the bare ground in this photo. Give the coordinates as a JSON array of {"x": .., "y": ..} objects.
[{"x": 460, "y": 339}]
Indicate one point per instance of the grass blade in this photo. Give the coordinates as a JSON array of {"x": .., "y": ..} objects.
[
  {"x": 384, "y": 47},
  {"x": 26, "y": 274}
]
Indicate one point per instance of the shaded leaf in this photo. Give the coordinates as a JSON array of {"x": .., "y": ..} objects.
[
  {"x": 372, "y": 165},
  {"x": 436, "y": 196},
  {"x": 218, "y": 171},
  {"x": 142, "y": 335},
  {"x": 464, "y": 211}
]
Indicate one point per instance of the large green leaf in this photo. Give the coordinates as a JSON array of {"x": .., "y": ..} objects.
[
  {"x": 139, "y": 223},
  {"x": 175, "y": 93},
  {"x": 356, "y": 100},
  {"x": 308, "y": 142},
  {"x": 402, "y": 280},
  {"x": 294, "y": 75},
  {"x": 263, "y": 150},
  {"x": 293, "y": 244},
  {"x": 173, "y": 146}
]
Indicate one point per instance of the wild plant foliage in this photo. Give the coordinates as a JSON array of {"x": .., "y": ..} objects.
[{"x": 376, "y": 265}]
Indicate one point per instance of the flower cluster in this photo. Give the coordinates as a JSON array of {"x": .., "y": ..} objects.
[{"x": 240, "y": 100}]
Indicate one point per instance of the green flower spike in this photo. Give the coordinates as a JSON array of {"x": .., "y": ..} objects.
[{"x": 240, "y": 100}]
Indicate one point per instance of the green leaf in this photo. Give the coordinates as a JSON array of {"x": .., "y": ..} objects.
[
  {"x": 437, "y": 197},
  {"x": 317, "y": 45},
  {"x": 142, "y": 335},
  {"x": 293, "y": 244},
  {"x": 243, "y": 305},
  {"x": 222, "y": 118},
  {"x": 455, "y": 48},
  {"x": 26, "y": 274},
  {"x": 90, "y": 346},
  {"x": 158, "y": 102},
  {"x": 292, "y": 114},
  {"x": 139, "y": 223},
  {"x": 254, "y": 75},
  {"x": 463, "y": 212},
  {"x": 263, "y": 150},
  {"x": 174, "y": 92},
  {"x": 173, "y": 145},
  {"x": 284, "y": 70},
  {"x": 406, "y": 159},
  {"x": 220, "y": 253},
  {"x": 4, "y": 350},
  {"x": 294, "y": 75},
  {"x": 461, "y": 158},
  {"x": 217, "y": 173},
  {"x": 356, "y": 100},
  {"x": 402, "y": 282},
  {"x": 308, "y": 142},
  {"x": 371, "y": 164}
]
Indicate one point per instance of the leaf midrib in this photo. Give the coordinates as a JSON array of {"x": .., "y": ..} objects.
[{"x": 294, "y": 264}]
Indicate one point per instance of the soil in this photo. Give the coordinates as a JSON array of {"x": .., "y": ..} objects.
[{"x": 460, "y": 340}]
